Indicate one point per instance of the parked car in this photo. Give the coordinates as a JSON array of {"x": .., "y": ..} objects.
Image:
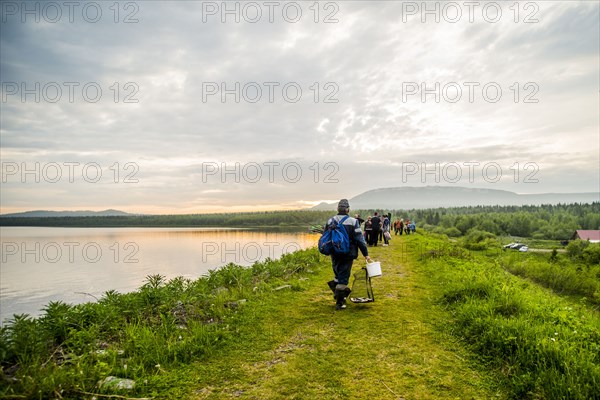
[{"x": 515, "y": 246}]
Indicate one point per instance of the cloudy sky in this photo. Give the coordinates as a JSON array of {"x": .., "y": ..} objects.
[{"x": 189, "y": 106}]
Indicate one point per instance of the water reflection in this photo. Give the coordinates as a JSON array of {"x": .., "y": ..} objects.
[{"x": 77, "y": 264}]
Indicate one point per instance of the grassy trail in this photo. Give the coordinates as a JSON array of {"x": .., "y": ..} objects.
[
  {"x": 293, "y": 345},
  {"x": 447, "y": 323}
]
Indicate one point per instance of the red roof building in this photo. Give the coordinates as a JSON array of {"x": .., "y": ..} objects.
[{"x": 592, "y": 236}]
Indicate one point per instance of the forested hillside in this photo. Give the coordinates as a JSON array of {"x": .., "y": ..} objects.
[{"x": 540, "y": 222}]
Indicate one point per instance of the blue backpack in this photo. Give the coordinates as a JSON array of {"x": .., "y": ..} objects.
[{"x": 335, "y": 239}]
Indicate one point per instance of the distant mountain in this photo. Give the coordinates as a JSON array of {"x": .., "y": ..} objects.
[
  {"x": 325, "y": 206},
  {"x": 43, "y": 213},
  {"x": 450, "y": 196}
]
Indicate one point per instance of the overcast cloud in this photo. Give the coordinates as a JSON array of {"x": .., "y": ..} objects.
[{"x": 161, "y": 131}]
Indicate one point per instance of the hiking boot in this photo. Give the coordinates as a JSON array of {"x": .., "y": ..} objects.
[
  {"x": 347, "y": 292},
  {"x": 340, "y": 298},
  {"x": 331, "y": 285}
]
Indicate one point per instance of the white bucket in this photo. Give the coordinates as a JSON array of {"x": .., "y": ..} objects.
[{"x": 374, "y": 269}]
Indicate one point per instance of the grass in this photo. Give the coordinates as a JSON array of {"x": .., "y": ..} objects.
[
  {"x": 447, "y": 323},
  {"x": 164, "y": 324},
  {"x": 561, "y": 274},
  {"x": 383, "y": 350},
  {"x": 542, "y": 345}
]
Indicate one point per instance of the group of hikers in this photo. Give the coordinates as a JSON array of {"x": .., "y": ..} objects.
[
  {"x": 344, "y": 251},
  {"x": 378, "y": 227}
]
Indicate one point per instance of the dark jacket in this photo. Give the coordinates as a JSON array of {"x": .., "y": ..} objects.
[
  {"x": 376, "y": 223},
  {"x": 357, "y": 240}
]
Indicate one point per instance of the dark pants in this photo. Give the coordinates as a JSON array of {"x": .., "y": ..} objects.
[
  {"x": 368, "y": 236},
  {"x": 342, "y": 266},
  {"x": 374, "y": 237}
]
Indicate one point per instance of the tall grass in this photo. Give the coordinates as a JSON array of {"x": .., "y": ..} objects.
[
  {"x": 543, "y": 346},
  {"x": 559, "y": 273},
  {"x": 69, "y": 349}
]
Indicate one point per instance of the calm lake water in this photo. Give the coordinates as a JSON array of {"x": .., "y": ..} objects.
[{"x": 39, "y": 265}]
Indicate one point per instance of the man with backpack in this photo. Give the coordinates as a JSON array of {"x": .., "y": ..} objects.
[{"x": 341, "y": 239}]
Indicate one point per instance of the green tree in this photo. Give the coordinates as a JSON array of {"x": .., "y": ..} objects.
[{"x": 576, "y": 247}]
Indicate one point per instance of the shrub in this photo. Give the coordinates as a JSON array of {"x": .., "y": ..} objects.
[
  {"x": 554, "y": 255},
  {"x": 479, "y": 240},
  {"x": 591, "y": 254},
  {"x": 452, "y": 232},
  {"x": 575, "y": 248}
]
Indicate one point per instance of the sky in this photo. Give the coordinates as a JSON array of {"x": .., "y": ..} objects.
[{"x": 191, "y": 107}]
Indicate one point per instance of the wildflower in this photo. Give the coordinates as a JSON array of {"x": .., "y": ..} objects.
[
  {"x": 554, "y": 340},
  {"x": 157, "y": 366}
]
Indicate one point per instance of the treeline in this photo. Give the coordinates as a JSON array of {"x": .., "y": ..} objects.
[
  {"x": 539, "y": 222},
  {"x": 246, "y": 220}
]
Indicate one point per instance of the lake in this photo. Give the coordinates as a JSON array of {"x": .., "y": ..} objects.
[{"x": 77, "y": 265}]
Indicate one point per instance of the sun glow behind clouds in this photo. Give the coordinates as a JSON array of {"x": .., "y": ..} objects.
[{"x": 370, "y": 55}]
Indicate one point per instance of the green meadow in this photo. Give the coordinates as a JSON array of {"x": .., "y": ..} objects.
[{"x": 448, "y": 322}]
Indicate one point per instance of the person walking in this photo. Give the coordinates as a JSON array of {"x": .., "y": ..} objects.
[
  {"x": 359, "y": 219},
  {"x": 342, "y": 263},
  {"x": 368, "y": 230},
  {"x": 413, "y": 227},
  {"x": 375, "y": 226},
  {"x": 386, "y": 230},
  {"x": 383, "y": 218}
]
